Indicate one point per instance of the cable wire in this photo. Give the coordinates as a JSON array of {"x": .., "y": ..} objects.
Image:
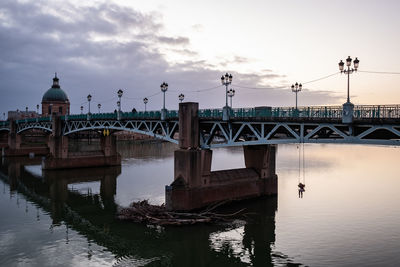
[
  {"x": 254, "y": 88},
  {"x": 263, "y": 88},
  {"x": 322, "y": 78},
  {"x": 378, "y": 72}
]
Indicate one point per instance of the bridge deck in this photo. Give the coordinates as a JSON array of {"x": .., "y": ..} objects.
[{"x": 246, "y": 126}]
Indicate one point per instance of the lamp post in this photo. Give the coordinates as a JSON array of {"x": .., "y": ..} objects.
[
  {"x": 181, "y": 97},
  {"x": 89, "y": 98},
  {"x": 226, "y": 80},
  {"x": 145, "y": 101},
  {"x": 81, "y": 109},
  {"x": 119, "y": 93},
  {"x": 349, "y": 71},
  {"x": 119, "y": 108},
  {"x": 231, "y": 93},
  {"x": 99, "y": 107},
  {"x": 295, "y": 89},
  {"x": 37, "y": 109},
  {"x": 348, "y": 107},
  {"x": 164, "y": 88},
  {"x": 26, "y": 110}
]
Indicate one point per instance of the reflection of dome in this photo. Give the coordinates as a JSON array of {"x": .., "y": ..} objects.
[{"x": 55, "y": 93}]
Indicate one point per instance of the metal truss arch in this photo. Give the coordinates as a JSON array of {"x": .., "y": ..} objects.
[
  {"x": 164, "y": 130},
  {"x": 45, "y": 126},
  {"x": 243, "y": 133}
]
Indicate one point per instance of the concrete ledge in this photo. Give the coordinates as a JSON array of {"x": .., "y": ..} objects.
[
  {"x": 51, "y": 163},
  {"x": 25, "y": 151},
  {"x": 184, "y": 198}
]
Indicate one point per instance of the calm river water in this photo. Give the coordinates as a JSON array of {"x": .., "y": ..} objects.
[{"x": 348, "y": 216}]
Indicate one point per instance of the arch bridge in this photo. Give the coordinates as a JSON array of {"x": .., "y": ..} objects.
[
  {"x": 259, "y": 130},
  {"x": 378, "y": 124}
]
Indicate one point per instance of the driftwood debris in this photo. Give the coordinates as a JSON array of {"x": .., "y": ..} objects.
[{"x": 143, "y": 212}]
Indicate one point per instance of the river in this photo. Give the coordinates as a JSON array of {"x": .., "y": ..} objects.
[{"x": 349, "y": 214}]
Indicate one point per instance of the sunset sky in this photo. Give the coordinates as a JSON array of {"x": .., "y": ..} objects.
[{"x": 100, "y": 46}]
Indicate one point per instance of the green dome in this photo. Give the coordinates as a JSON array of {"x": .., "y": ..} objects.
[{"x": 55, "y": 93}]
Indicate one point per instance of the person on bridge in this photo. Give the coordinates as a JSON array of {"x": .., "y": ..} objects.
[{"x": 301, "y": 189}]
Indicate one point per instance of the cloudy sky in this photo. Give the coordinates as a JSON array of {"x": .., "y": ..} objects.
[{"x": 97, "y": 47}]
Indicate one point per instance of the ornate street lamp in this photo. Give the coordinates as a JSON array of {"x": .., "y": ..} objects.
[
  {"x": 99, "y": 107},
  {"x": 119, "y": 93},
  {"x": 231, "y": 94},
  {"x": 164, "y": 88},
  {"x": 37, "y": 109},
  {"x": 349, "y": 71},
  {"x": 26, "y": 110},
  {"x": 226, "y": 80},
  {"x": 89, "y": 98},
  {"x": 295, "y": 89},
  {"x": 81, "y": 109},
  {"x": 348, "y": 107},
  {"x": 181, "y": 97},
  {"x": 145, "y": 101},
  {"x": 119, "y": 109}
]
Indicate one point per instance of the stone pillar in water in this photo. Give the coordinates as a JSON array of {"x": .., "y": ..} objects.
[{"x": 195, "y": 186}]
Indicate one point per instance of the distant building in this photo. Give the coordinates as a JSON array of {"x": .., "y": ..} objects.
[
  {"x": 55, "y": 100},
  {"x": 18, "y": 115}
]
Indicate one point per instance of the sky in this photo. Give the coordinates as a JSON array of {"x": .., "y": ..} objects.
[{"x": 98, "y": 47}]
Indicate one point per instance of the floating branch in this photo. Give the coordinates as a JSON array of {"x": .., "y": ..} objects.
[{"x": 143, "y": 212}]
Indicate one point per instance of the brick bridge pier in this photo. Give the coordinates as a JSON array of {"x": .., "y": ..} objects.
[
  {"x": 14, "y": 146},
  {"x": 196, "y": 186},
  {"x": 61, "y": 158}
]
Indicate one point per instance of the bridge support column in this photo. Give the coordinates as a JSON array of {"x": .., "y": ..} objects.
[
  {"x": 109, "y": 145},
  {"x": 262, "y": 159},
  {"x": 14, "y": 139},
  {"x": 196, "y": 186},
  {"x": 61, "y": 158}
]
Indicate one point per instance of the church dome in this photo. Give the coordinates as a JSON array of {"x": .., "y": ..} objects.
[{"x": 55, "y": 93}]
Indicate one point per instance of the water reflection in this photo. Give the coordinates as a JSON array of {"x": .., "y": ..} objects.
[
  {"x": 146, "y": 149},
  {"x": 92, "y": 215}
]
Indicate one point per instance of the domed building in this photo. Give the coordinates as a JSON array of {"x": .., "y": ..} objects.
[{"x": 55, "y": 100}]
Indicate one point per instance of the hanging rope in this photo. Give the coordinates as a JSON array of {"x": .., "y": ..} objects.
[
  {"x": 304, "y": 169},
  {"x": 301, "y": 183},
  {"x": 298, "y": 147}
]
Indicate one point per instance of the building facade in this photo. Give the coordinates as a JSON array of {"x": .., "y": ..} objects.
[{"x": 18, "y": 115}]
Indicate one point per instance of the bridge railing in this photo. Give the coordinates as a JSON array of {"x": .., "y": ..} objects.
[
  {"x": 276, "y": 112},
  {"x": 377, "y": 111},
  {"x": 122, "y": 115},
  {"x": 332, "y": 112},
  {"x": 4, "y": 123}
]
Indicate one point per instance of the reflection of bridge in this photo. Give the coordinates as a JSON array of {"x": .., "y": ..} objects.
[
  {"x": 196, "y": 131},
  {"x": 94, "y": 218}
]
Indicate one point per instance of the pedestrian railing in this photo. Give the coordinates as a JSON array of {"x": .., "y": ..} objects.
[{"x": 329, "y": 112}]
